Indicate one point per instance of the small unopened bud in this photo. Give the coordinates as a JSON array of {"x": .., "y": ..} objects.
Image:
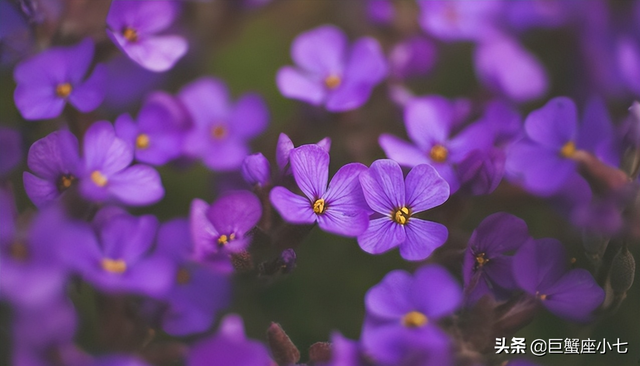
[
  {"x": 320, "y": 352},
  {"x": 284, "y": 352},
  {"x": 284, "y": 264},
  {"x": 256, "y": 170},
  {"x": 623, "y": 270}
]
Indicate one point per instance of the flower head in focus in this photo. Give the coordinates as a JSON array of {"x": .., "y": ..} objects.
[{"x": 398, "y": 200}]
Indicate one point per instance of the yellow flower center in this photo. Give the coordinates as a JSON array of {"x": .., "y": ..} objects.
[
  {"x": 219, "y": 132},
  {"x": 541, "y": 296},
  {"x": 319, "y": 206},
  {"x": 63, "y": 90},
  {"x": 130, "y": 34},
  {"x": 414, "y": 319},
  {"x": 183, "y": 277},
  {"x": 19, "y": 251},
  {"x": 332, "y": 81},
  {"x": 142, "y": 141},
  {"x": 224, "y": 239},
  {"x": 98, "y": 178},
  {"x": 117, "y": 266},
  {"x": 401, "y": 215},
  {"x": 65, "y": 181},
  {"x": 568, "y": 149},
  {"x": 481, "y": 260},
  {"x": 438, "y": 153}
]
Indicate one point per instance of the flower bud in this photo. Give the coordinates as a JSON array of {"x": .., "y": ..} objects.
[
  {"x": 623, "y": 269},
  {"x": 283, "y": 350},
  {"x": 256, "y": 170},
  {"x": 320, "y": 352}
]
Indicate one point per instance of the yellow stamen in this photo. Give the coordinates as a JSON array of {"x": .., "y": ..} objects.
[
  {"x": 332, "y": 81},
  {"x": 414, "y": 319},
  {"x": 401, "y": 215},
  {"x": 541, "y": 296},
  {"x": 438, "y": 153},
  {"x": 19, "y": 251},
  {"x": 481, "y": 260},
  {"x": 99, "y": 179},
  {"x": 224, "y": 240},
  {"x": 319, "y": 206},
  {"x": 142, "y": 141},
  {"x": 219, "y": 132},
  {"x": 65, "y": 181},
  {"x": 63, "y": 90},
  {"x": 568, "y": 149},
  {"x": 114, "y": 265},
  {"x": 130, "y": 34},
  {"x": 183, "y": 277}
]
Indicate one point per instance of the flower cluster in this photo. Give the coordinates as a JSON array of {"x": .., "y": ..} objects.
[{"x": 155, "y": 210}]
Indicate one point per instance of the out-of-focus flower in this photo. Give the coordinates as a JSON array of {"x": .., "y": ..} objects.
[
  {"x": 414, "y": 56},
  {"x": 380, "y": 12},
  {"x": 542, "y": 162},
  {"x": 116, "y": 255},
  {"x": 221, "y": 130},
  {"x": 541, "y": 268},
  {"x": 402, "y": 313},
  {"x": 388, "y": 194},
  {"x": 158, "y": 136},
  {"x": 128, "y": 83},
  {"x": 15, "y": 35},
  {"x": 429, "y": 122},
  {"x": 505, "y": 66},
  {"x": 330, "y": 73},
  {"x": 487, "y": 263},
  {"x": 345, "y": 352},
  {"x": 47, "y": 81},
  {"x": 481, "y": 171},
  {"x": 198, "y": 292},
  {"x": 32, "y": 272},
  {"x": 134, "y": 26},
  {"x": 459, "y": 21},
  {"x": 339, "y": 208},
  {"x": 10, "y": 149},
  {"x": 229, "y": 347},
  {"x": 284, "y": 147},
  {"x": 223, "y": 227},
  {"x": 256, "y": 170}
]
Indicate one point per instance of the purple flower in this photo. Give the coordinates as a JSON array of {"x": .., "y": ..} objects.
[
  {"x": 221, "y": 130},
  {"x": 10, "y": 149},
  {"x": 198, "y": 292},
  {"x": 505, "y": 66},
  {"x": 338, "y": 209},
  {"x": 542, "y": 161},
  {"x": 157, "y": 137},
  {"x": 487, "y": 263},
  {"x": 116, "y": 254},
  {"x": 16, "y": 38},
  {"x": 256, "y": 170},
  {"x": 32, "y": 272},
  {"x": 429, "y": 122},
  {"x": 284, "y": 147},
  {"x": 387, "y": 193},
  {"x": 134, "y": 26},
  {"x": 380, "y": 12},
  {"x": 107, "y": 175},
  {"x": 412, "y": 57},
  {"x": 229, "y": 347},
  {"x": 57, "y": 166},
  {"x": 47, "y": 81},
  {"x": 329, "y": 73},
  {"x": 128, "y": 82},
  {"x": 402, "y": 313},
  {"x": 345, "y": 352},
  {"x": 224, "y": 227},
  {"x": 118, "y": 360},
  {"x": 481, "y": 171},
  {"x": 455, "y": 21},
  {"x": 541, "y": 268},
  {"x": 103, "y": 173}
]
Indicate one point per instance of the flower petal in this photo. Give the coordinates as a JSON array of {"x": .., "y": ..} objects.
[
  {"x": 320, "y": 50},
  {"x": 428, "y": 121},
  {"x": 293, "y": 208},
  {"x": 339, "y": 221},
  {"x": 435, "y": 292},
  {"x": 293, "y": 83},
  {"x": 425, "y": 188},
  {"x": 237, "y": 212},
  {"x": 103, "y": 151},
  {"x": 422, "y": 238},
  {"x": 401, "y": 151},
  {"x": 40, "y": 191},
  {"x": 88, "y": 95},
  {"x": 382, "y": 235},
  {"x": 139, "y": 185},
  {"x": 383, "y": 186},
  {"x": 575, "y": 296},
  {"x": 554, "y": 124},
  {"x": 250, "y": 116},
  {"x": 344, "y": 189},
  {"x": 391, "y": 299},
  {"x": 310, "y": 167}
]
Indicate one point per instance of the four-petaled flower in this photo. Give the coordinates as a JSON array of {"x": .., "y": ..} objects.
[
  {"x": 339, "y": 208},
  {"x": 388, "y": 194},
  {"x": 46, "y": 82},
  {"x": 329, "y": 73}
]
